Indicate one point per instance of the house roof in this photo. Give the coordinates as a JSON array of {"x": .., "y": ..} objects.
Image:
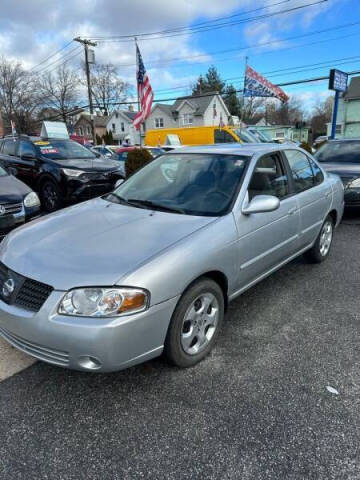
[
  {"x": 130, "y": 115},
  {"x": 353, "y": 91},
  {"x": 200, "y": 103},
  {"x": 168, "y": 109},
  {"x": 98, "y": 121}
]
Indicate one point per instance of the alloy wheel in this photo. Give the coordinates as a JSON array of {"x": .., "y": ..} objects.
[
  {"x": 326, "y": 238},
  {"x": 199, "y": 323}
]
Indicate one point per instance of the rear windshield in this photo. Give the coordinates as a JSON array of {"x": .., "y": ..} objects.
[
  {"x": 63, "y": 150},
  {"x": 339, "y": 152}
]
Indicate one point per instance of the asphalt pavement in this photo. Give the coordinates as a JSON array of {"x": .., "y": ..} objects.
[{"x": 257, "y": 408}]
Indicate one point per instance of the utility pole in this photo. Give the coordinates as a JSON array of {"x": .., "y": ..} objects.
[{"x": 86, "y": 44}]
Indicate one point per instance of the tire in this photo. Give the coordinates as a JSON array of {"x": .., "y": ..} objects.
[
  {"x": 322, "y": 246},
  {"x": 50, "y": 196},
  {"x": 195, "y": 324}
]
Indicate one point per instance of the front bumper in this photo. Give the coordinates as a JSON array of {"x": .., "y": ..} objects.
[
  {"x": 92, "y": 186},
  {"x": 352, "y": 197},
  {"x": 89, "y": 344}
]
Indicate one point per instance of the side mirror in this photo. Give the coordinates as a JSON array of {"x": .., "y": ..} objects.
[
  {"x": 119, "y": 182},
  {"x": 108, "y": 155},
  {"x": 28, "y": 156},
  {"x": 261, "y": 204}
]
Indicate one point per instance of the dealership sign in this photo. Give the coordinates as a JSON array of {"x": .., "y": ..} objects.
[{"x": 338, "y": 80}]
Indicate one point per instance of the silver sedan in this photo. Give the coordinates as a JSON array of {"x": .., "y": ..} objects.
[{"x": 151, "y": 267}]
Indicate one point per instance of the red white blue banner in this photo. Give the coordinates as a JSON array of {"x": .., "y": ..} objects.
[{"x": 258, "y": 86}]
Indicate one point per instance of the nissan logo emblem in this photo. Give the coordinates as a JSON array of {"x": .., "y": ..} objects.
[
  {"x": 2, "y": 209},
  {"x": 8, "y": 287}
]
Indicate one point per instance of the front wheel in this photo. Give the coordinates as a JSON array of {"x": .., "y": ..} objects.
[
  {"x": 321, "y": 248},
  {"x": 50, "y": 196},
  {"x": 195, "y": 324}
]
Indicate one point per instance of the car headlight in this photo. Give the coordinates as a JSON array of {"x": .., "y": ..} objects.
[
  {"x": 69, "y": 172},
  {"x": 31, "y": 200},
  {"x": 355, "y": 183},
  {"x": 103, "y": 302}
]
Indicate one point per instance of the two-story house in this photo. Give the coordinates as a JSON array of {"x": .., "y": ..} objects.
[
  {"x": 348, "y": 115},
  {"x": 120, "y": 123},
  {"x": 191, "y": 111},
  {"x": 82, "y": 127}
]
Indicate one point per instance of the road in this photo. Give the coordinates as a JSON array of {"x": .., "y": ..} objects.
[{"x": 257, "y": 408}]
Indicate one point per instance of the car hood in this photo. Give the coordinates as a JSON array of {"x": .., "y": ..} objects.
[
  {"x": 12, "y": 190},
  {"x": 93, "y": 243},
  {"x": 96, "y": 164},
  {"x": 342, "y": 169}
]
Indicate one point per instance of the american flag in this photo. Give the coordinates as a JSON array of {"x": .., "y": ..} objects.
[
  {"x": 145, "y": 93},
  {"x": 258, "y": 86}
]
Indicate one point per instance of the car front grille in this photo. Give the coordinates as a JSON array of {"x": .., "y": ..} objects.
[
  {"x": 26, "y": 293},
  {"x": 57, "y": 357},
  {"x": 11, "y": 208}
]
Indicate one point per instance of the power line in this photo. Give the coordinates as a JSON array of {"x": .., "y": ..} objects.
[
  {"x": 173, "y": 30},
  {"x": 189, "y": 30},
  {"x": 258, "y": 45},
  {"x": 56, "y": 62},
  {"x": 52, "y": 55}
]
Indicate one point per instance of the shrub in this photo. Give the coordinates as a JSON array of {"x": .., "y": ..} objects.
[
  {"x": 136, "y": 159},
  {"x": 305, "y": 146}
]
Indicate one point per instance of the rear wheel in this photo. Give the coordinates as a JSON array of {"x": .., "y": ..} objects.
[
  {"x": 321, "y": 248},
  {"x": 50, "y": 196},
  {"x": 195, "y": 324}
]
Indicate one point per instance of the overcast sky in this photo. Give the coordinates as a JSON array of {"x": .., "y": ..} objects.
[{"x": 32, "y": 30}]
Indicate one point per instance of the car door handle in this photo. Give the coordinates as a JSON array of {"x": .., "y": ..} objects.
[
  {"x": 328, "y": 194},
  {"x": 292, "y": 211}
]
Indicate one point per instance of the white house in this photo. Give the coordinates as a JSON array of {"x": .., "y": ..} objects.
[
  {"x": 191, "y": 111},
  {"x": 120, "y": 124}
]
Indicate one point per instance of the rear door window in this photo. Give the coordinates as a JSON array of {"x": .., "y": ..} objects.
[
  {"x": 302, "y": 173},
  {"x": 222, "y": 136},
  {"x": 318, "y": 175},
  {"x": 26, "y": 148},
  {"x": 9, "y": 147}
]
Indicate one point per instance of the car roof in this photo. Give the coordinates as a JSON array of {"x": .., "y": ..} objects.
[{"x": 247, "y": 149}]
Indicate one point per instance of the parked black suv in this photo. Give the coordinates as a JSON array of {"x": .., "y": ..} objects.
[
  {"x": 60, "y": 170},
  {"x": 18, "y": 203}
]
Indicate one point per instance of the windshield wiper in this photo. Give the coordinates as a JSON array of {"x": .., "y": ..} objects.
[
  {"x": 117, "y": 198},
  {"x": 154, "y": 205}
]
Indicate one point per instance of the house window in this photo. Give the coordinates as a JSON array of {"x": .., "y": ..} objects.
[
  {"x": 338, "y": 129},
  {"x": 187, "y": 119},
  {"x": 113, "y": 127},
  {"x": 88, "y": 130},
  {"x": 280, "y": 134},
  {"x": 159, "y": 122},
  {"x": 116, "y": 115},
  {"x": 122, "y": 126},
  {"x": 81, "y": 131}
]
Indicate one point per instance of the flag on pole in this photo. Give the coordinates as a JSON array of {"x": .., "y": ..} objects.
[
  {"x": 257, "y": 86},
  {"x": 214, "y": 110},
  {"x": 145, "y": 92},
  {"x": 13, "y": 129}
]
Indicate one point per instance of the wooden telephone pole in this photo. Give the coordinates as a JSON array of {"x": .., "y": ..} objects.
[{"x": 86, "y": 44}]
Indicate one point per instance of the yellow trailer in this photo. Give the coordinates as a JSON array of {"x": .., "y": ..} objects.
[{"x": 192, "y": 136}]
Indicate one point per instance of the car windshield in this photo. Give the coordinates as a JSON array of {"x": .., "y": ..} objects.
[
  {"x": 339, "y": 152},
  {"x": 245, "y": 136},
  {"x": 3, "y": 172},
  {"x": 192, "y": 184},
  {"x": 63, "y": 150},
  {"x": 261, "y": 136}
]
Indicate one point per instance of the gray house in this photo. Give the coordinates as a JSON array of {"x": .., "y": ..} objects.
[{"x": 190, "y": 111}]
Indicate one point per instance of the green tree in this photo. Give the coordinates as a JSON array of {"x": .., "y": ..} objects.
[
  {"x": 232, "y": 100},
  {"x": 211, "y": 83}
]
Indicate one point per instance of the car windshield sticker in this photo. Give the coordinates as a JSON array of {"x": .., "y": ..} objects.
[
  {"x": 42, "y": 143},
  {"x": 49, "y": 149}
]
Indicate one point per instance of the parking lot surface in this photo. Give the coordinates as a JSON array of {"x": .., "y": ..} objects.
[{"x": 257, "y": 408}]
